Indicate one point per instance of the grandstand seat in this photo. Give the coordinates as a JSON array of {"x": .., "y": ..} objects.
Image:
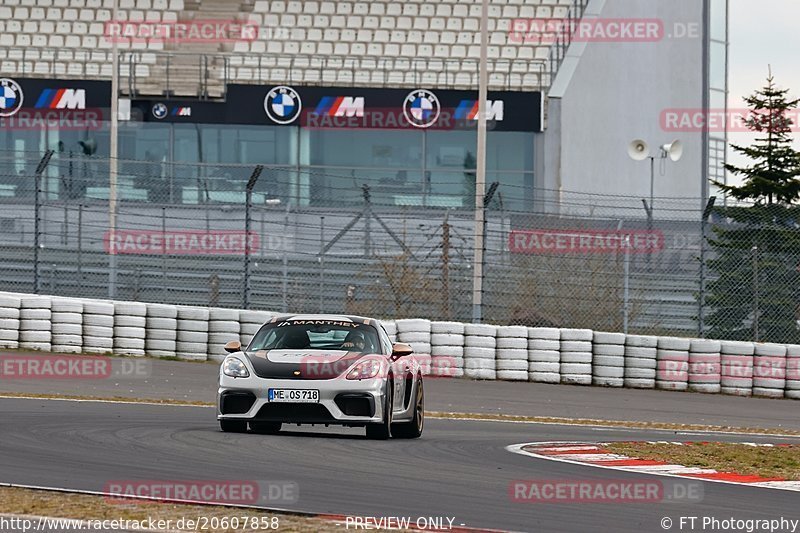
[{"x": 378, "y": 31}]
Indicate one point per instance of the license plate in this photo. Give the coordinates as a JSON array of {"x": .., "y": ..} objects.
[{"x": 294, "y": 395}]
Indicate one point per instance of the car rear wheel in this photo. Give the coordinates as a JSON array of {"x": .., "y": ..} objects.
[
  {"x": 383, "y": 429},
  {"x": 266, "y": 428},
  {"x": 413, "y": 429},
  {"x": 233, "y": 426}
]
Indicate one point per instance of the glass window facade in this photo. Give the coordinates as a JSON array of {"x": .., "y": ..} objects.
[{"x": 191, "y": 163}]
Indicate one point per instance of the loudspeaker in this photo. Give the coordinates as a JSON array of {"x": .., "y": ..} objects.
[
  {"x": 638, "y": 150},
  {"x": 673, "y": 150}
]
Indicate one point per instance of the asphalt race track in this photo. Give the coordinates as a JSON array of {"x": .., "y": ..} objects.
[{"x": 459, "y": 468}]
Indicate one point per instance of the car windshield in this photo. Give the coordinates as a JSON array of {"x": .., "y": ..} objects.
[{"x": 316, "y": 335}]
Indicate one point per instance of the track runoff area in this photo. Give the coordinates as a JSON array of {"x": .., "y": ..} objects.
[{"x": 494, "y": 456}]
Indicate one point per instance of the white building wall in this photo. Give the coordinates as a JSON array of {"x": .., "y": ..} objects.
[{"x": 608, "y": 93}]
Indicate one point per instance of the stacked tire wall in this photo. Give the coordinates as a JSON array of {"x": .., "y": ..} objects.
[
  {"x": 544, "y": 355},
  {"x": 480, "y": 342},
  {"x": 9, "y": 321},
  {"x": 608, "y": 359},
  {"x": 576, "y": 356},
  {"x": 512, "y": 353},
  {"x": 161, "y": 335},
  {"x": 192, "y": 337},
  {"x": 446, "y": 349}
]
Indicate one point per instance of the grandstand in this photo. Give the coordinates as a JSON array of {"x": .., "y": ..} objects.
[{"x": 375, "y": 43}]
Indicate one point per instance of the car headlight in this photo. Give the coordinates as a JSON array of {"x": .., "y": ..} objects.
[
  {"x": 235, "y": 368},
  {"x": 365, "y": 369}
]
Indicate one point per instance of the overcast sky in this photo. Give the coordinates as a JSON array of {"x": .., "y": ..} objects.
[{"x": 762, "y": 33}]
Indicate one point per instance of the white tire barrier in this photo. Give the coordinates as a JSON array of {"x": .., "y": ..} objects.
[
  {"x": 129, "y": 340},
  {"x": 447, "y": 349},
  {"x": 192, "y": 338},
  {"x": 9, "y": 321},
  {"x": 576, "y": 356},
  {"x": 34, "y": 324},
  {"x": 736, "y": 368},
  {"x": 608, "y": 359},
  {"x": 416, "y": 332},
  {"x": 454, "y": 328},
  {"x": 250, "y": 322},
  {"x": 223, "y": 327},
  {"x": 544, "y": 355},
  {"x": 480, "y": 343},
  {"x": 672, "y": 363},
  {"x": 769, "y": 370},
  {"x": 391, "y": 329},
  {"x": 704, "y": 366},
  {"x": 792, "y": 389},
  {"x": 98, "y": 327},
  {"x": 640, "y": 361},
  {"x": 511, "y": 353},
  {"x": 67, "y": 325},
  {"x": 161, "y": 330}
]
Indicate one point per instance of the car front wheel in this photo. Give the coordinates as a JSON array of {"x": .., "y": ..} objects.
[
  {"x": 413, "y": 429},
  {"x": 383, "y": 430}
]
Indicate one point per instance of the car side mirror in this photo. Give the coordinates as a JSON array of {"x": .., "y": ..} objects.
[
  {"x": 233, "y": 346},
  {"x": 400, "y": 349}
]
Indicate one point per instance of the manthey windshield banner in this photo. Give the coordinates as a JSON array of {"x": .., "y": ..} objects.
[{"x": 352, "y": 108}]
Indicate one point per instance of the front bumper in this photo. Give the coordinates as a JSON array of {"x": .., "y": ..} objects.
[{"x": 341, "y": 401}]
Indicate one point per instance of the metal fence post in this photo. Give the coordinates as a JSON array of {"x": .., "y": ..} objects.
[
  {"x": 251, "y": 183},
  {"x": 285, "y": 284},
  {"x": 40, "y": 168},
  {"x": 755, "y": 293},
  {"x": 80, "y": 248},
  {"x": 701, "y": 299},
  {"x": 321, "y": 261}
]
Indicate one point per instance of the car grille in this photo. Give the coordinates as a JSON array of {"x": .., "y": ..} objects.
[
  {"x": 356, "y": 404},
  {"x": 295, "y": 412},
  {"x": 236, "y": 403}
]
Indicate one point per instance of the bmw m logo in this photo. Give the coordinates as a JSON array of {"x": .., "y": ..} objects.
[
  {"x": 11, "y": 97},
  {"x": 160, "y": 111},
  {"x": 421, "y": 108},
  {"x": 282, "y": 104}
]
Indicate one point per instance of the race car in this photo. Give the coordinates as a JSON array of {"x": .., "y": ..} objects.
[{"x": 321, "y": 369}]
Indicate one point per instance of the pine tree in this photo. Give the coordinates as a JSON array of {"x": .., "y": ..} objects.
[{"x": 757, "y": 251}]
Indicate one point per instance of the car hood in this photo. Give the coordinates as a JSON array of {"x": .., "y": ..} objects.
[{"x": 302, "y": 364}]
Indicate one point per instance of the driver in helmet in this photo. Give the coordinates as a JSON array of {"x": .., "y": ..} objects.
[{"x": 355, "y": 341}]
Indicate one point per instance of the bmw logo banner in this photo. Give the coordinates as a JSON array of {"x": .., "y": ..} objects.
[
  {"x": 318, "y": 107},
  {"x": 283, "y": 104},
  {"x": 11, "y": 97}
]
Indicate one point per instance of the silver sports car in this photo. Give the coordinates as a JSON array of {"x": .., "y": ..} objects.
[{"x": 321, "y": 369}]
